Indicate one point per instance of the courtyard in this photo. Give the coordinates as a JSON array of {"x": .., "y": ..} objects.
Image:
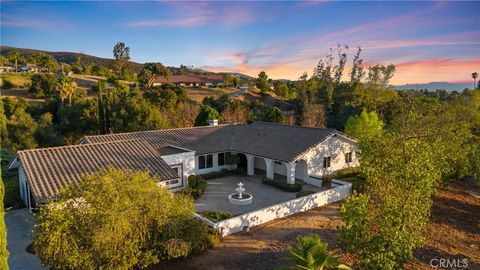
[{"x": 215, "y": 197}]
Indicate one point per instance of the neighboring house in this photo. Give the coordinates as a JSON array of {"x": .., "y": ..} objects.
[
  {"x": 4, "y": 69},
  {"x": 29, "y": 69},
  {"x": 173, "y": 154},
  {"x": 190, "y": 80}
]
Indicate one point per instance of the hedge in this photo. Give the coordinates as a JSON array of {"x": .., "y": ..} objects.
[
  {"x": 283, "y": 185},
  {"x": 197, "y": 186},
  {"x": 216, "y": 216}
]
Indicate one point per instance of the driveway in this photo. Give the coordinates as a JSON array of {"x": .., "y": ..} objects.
[{"x": 19, "y": 235}]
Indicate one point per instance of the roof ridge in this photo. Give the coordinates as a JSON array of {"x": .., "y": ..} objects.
[
  {"x": 153, "y": 130},
  {"x": 81, "y": 145},
  {"x": 293, "y": 126}
]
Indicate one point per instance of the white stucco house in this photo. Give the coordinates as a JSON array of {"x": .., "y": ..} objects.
[{"x": 172, "y": 155}]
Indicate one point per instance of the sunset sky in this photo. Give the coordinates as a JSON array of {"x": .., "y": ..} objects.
[{"x": 427, "y": 41}]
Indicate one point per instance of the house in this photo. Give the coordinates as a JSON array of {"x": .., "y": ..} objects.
[
  {"x": 190, "y": 80},
  {"x": 4, "y": 69},
  {"x": 173, "y": 154},
  {"x": 30, "y": 69}
]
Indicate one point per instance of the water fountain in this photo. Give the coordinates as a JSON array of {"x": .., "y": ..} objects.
[{"x": 240, "y": 197}]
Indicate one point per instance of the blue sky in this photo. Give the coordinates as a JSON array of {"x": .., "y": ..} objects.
[{"x": 427, "y": 41}]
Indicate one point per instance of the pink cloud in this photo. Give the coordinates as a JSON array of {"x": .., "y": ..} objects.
[{"x": 201, "y": 13}]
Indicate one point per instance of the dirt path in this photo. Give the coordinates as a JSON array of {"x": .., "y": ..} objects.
[
  {"x": 266, "y": 246},
  {"x": 453, "y": 233}
]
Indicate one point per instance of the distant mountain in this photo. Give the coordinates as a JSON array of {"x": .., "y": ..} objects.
[{"x": 433, "y": 86}]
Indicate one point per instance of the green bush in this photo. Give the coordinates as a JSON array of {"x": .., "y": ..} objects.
[
  {"x": 197, "y": 185},
  {"x": 343, "y": 173},
  {"x": 191, "y": 236},
  {"x": 283, "y": 185},
  {"x": 358, "y": 183},
  {"x": 192, "y": 181},
  {"x": 7, "y": 84},
  {"x": 216, "y": 216},
  {"x": 304, "y": 193}
]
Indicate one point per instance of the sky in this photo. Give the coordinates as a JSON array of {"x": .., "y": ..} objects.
[{"x": 426, "y": 40}]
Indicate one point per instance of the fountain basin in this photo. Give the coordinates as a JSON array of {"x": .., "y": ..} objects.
[{"x": 246, "y": 199}]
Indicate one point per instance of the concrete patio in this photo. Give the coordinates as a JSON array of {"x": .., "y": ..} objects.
[{"x": 215, "y": 197}]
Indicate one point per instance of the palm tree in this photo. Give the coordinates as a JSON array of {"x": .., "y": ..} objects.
[
  {"x": 313, "y": 254},
  {"x": 474, "y": 77}
]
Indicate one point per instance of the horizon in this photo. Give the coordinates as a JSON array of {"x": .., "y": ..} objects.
[{"x": 426, "y": 41}]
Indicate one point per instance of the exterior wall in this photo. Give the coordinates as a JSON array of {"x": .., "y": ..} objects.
[
  {"x": 335, "y": 147},
  {"x": 281, "y": 169},
  {"x": 187, "y": 160},
  {"x": 215, "y": 167},
  {"x": 238, "y": 223},
  {"x": 22, "y": 179}
]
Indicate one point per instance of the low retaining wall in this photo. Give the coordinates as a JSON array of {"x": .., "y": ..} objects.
[{"x": 239, "y": 223}]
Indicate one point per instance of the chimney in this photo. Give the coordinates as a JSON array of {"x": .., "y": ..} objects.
[{"x": 213, "y": 122}]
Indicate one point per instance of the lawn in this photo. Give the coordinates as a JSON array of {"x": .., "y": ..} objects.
[{"x": 19, "y": 80}]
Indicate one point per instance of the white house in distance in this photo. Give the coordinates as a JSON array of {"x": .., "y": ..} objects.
[{"x": 172, "y": 155}]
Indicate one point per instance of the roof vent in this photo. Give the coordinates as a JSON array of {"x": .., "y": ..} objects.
[{"x": 213, "y": 122}]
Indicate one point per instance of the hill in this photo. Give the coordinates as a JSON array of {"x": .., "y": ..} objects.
[
  {"x": 67, "y": 57},
  {"x": 433, "y": 86}
]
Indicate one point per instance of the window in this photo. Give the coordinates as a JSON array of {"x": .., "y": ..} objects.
[
  {"x": 201, "y": 162},
  {"x": 278, "y": 162},
  {"x": 205, "y": 162},
  {"x": 348, "y": 157},
  {"x": 221, "y": 159},
  {"x": 209, "y": 161},
  {"x": 326, "y": 162}
]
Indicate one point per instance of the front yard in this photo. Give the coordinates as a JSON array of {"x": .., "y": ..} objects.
[
  {"x": 453, "y": 232},
  {"x": 215, "y": 197}
]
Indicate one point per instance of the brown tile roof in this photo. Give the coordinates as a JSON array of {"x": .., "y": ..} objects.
[
  {"x": 210, "y": 78},
  {"x": 48, "y": 170},
  {"x": 279, "y": 142}
]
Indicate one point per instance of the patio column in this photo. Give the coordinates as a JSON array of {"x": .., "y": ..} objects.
[
  {"x": 250, "y": 164},
  {"x": 290, "y": 172},
  {"x": 269, "y": 167}
]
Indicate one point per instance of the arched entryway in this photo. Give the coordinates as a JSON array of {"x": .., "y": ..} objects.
[
  {"x": 301, "y": 170},
  {"x": 260, "y": 166}
]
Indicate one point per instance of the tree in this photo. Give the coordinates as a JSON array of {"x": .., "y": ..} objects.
[
  {"x": 262, "y": 83},
  {"x": 67, "y": 89},
  {"x": 313, "y": 116},
  {"x": 227, "y": 79},
  {"x": 313, "y": 254},
  {"x": 281, "y": 88},
  {"x": 474, "y": 77},
  {"x": 3, "y": 229},
  {"x": 207, "y": 112},
  {"x": 108, "y": 221},
  {"x": 123, "y": 67},
  {"x": 43, "y": 85},
  {"x": 150, "y": 71},
  {"x": 14, "y": 56},
  {"x": 121, "y": 52},
  {"x": 275, "y": 115},
  {"x": 46, "y": 134},
  {"x": 21, "y": 129},
  {"x": 364, "y": 126}
]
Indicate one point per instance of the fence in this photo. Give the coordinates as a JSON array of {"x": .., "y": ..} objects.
[{"x": 247, "y": 220}]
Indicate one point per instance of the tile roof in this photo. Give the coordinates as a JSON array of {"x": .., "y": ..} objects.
[
  {"x": 279, "y": 142},
  {"x": 192, "y": 78},
  {"x": 48, "y": 170}
]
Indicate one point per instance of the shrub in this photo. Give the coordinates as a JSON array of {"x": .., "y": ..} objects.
[
  {"x": 196, "y": 235},
  {"x": 283, "y": 185},
  {"x": 304, "y": 193},
  {"x": 216, "y": 216},
  {"x": 7, "y": 84},
  {"x": 114, "y": 225},
  {"x": 197, "y": 185},
  {"x": 343, "y": 173},
  {"x": 312, "y": 253}
]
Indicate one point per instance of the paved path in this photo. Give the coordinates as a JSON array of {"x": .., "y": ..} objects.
[{"x": 19, "y": 235}]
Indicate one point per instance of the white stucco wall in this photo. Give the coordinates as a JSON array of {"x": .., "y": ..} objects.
[
  {"x": 335, "y": 147},
  {"x": 215, "y": 167},
  {"x": 22, "y": 179},
  {"x": 259, "y": 163},
  {"x": 187, "y": 160}
]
